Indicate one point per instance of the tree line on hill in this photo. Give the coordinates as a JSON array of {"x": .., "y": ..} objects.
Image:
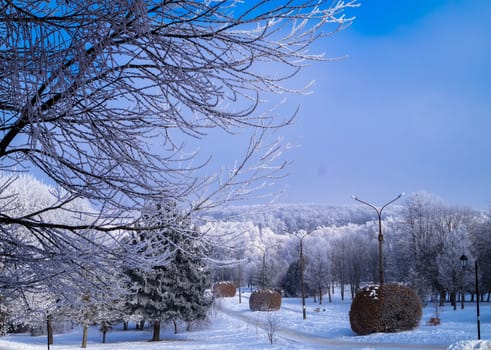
[{"x": 424, "y": 239}]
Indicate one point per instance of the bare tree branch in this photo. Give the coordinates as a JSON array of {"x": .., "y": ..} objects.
[{"x": 102, "y": 96}]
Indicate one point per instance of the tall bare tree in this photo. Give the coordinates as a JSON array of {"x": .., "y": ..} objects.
[{"x": 101, "y": 96}]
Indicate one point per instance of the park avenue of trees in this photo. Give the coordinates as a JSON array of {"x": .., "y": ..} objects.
[
  {"x": 424, "y": 239},
  {"x": 109, "y": 101}
]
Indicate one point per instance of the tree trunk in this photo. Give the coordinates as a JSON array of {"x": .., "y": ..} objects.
[
  {"x": 175, "y": 326},
  {"x": 453, "y": 300},
  {"x": 156, "y": 331},
  {"x": 125, "y": 325},
  {"x": 104, "y": 328},
  {"x": 85, "y": 334},
  {"x": 50, "y": 330},
  {"x": 443, "y": 295},
  {"x": 320, "y": 295}
]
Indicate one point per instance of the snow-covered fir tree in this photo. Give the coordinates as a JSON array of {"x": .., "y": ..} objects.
[{"x": 175, "y": 291}]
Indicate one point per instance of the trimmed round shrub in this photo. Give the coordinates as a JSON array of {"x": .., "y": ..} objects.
[
  {"x": 265, "y": 300},
  {"x": 224, "y": 289},
  {"x": 386, "y": 308}
]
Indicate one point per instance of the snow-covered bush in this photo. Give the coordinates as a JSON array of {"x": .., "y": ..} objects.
[
  {"x": 385, "y": 308},
  {"x": 265, "y": 300},
  {"x": 224, "y": 289}
]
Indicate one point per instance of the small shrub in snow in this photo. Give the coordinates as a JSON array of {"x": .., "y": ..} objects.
[
  {"x": 224, "y": 289},
  {"x": 265, "y": 300},
  {"x": 271, "y": 325},
  {"x": 385, "y": 308}
]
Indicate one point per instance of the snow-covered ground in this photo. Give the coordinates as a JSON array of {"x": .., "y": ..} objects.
[{"x": 233, "y": 326}]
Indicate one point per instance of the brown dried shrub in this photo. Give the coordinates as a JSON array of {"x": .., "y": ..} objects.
[
  {"x": 224, "y": 289},
  {"x": 387, "y": 308},
  {"x": 265, "y": 300}
]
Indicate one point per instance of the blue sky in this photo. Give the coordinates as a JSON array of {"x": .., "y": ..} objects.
[{"x": 408, "y": 110}]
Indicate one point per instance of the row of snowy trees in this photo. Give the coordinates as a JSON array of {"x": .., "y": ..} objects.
[
  {"x": 102, "y": 290},
  {"x": 424, "y": 239}
]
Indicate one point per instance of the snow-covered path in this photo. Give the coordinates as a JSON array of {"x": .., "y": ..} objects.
[{"x": 311, "y": 341}]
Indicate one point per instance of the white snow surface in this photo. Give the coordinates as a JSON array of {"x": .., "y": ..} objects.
[{"x": 233, "y": 326}]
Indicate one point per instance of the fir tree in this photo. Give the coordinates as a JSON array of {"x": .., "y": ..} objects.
[
  {"x": 176, "y": 290},
  {"x": 185, "y": 281}
]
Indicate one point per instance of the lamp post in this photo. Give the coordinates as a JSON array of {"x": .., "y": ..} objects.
[
  {"x": 380, "y": 235},
  {"x": 301, "y": 235},
  {"x": 49, "y": 329},
  {"x": 463, "y": 262}
]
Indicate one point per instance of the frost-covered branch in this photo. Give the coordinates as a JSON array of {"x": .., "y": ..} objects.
[{"x": 104, "y": 98}]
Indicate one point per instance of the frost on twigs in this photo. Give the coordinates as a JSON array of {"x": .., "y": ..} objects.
[
  {"x": 385, "y": 308},
  {"x": 109, "y": 101},
  {"x": 103, "y": 96}
]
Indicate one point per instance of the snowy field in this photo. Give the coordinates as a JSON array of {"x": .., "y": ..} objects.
[{"x": 233, "y": 326}]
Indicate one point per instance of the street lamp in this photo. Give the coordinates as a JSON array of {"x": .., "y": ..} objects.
[
  {"x": 463, "y": 262},
  {"x": 301, "y": 235},
  {"x": 380, "y": 235}
]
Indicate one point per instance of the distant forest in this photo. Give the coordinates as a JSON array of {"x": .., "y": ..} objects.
[{"x": 423, "y": 240}]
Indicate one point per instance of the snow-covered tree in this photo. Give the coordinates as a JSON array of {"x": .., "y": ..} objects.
[
  {"x": 291, "y": 282},
  {"x": 480, "y": 238},
  {"x": 109, "y": 100},
  {"x": 43, "y": 276},
  {"x": 186, "y": 280},
  {"x": 256, "y": 249},
  {"x": 30, "y": 257},
  {"x": 351, "y": 251},
  {"x": 175, "y": 290},
  {"x": 318, "y": 269},
  {"x": 450, "y": 274},
  {"x": 428, "y": 226}
]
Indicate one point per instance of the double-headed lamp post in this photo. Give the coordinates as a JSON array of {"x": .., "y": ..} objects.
[
  {"x": 380, "y": 235},
  {"x": 463, "y": 262}
]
